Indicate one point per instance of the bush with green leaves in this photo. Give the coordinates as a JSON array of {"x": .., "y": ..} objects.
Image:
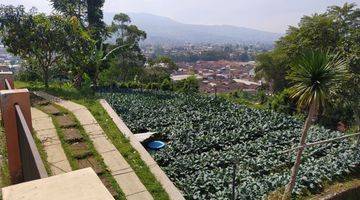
[
  {"x": 188, "y": 85},
  {"x": 206, "y": 135},
  {"x": 282, "y": 102}
]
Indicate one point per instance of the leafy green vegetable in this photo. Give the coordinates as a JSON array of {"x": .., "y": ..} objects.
[{"x": 206, "y": 135}]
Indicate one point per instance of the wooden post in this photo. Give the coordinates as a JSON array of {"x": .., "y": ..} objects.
[
  {"x": 321, "y": 142},
  {"x": 234, "y": 182},
  {"x": 9, "y": 77},
  {"x": 10, "y": 98},
  {"x": 295, "y": 169}
]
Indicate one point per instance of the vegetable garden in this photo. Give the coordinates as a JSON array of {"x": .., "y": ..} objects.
[{"x": 207, "y": 135}]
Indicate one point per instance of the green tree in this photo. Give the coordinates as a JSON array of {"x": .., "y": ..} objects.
[
  {"x": 189, "y": 85},
  {"x": 72, "y": 8},
  {"x": 158, "y": 70},
  {"x": 130, "y": 58},
  {"x": 337, "y": 30},
  {"x": 98, "y": 59},
  {"x": 273, "y": 66},
  {"x": 132, "y": 55},
  {"x": 110, "y": 76},
  {"x": 154, "y": 74},
  {"x": 347, "y": 20},
  {"x": 316, "y": 32},
  {"x": 79, "y": 46},
  {"x": 120, "y": 23},
  {"x": 36, "y": 38},
  {"x": 165, "y": 62},
  {"x": 282, "y": 102},
  {"x": 313, "y": 76},
  {"x": 96, "y": 25},
  {"x": 89, "y": 12}
]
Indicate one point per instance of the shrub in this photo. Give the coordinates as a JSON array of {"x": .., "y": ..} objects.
[
  {"x": 189, "y": 85},
  {"x": 166, "y": 85},
  {"x": 28, "y": 75},
  {"x": 282, "y": 102}
]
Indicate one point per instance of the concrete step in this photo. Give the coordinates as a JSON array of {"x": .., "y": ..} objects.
[
  {"x": 72, "y": 135},
  {"x": 91, "y": 162},
  {"x": 65, "y": 121},
  {"x": 80, "y": 150},
  {"x": 50, "y": 109}
]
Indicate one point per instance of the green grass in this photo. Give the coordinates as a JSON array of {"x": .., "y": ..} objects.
[
  {"x": 4, "y": 166},
  {"x": 5, "y": 174},
  {"x": 73, "y": 161},
  {"x": 119, "y": 140},
  {"x": 130, "y": 154},
  {"x": 42, "y": 153}
]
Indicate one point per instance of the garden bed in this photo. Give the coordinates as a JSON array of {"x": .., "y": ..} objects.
[{"x": 207, "y": 135}]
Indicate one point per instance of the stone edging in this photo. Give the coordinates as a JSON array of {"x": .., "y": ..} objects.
[{"x": 173, "y": 192}]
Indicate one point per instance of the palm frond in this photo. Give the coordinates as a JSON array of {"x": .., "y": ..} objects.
[{"x": 313, "y": 76}]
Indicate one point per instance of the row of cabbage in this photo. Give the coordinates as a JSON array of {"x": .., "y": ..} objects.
[{"x": 208, "y": 135}]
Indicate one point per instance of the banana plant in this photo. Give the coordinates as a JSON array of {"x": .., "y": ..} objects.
[{"x": 99, "y": 56}]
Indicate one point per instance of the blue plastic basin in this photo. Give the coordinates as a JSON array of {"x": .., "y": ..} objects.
[{"x": 155, "y": 145}]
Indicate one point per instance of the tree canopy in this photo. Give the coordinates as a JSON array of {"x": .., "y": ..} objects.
[
  {"x": 42, "y": 41},
  {"x": 89, "y": 12},
  {"x": 336, "y": 30},
  {"x": 313, "y": 77}
]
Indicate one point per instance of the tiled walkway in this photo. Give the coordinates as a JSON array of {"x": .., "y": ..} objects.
[
  {"x": 46, "y": 132},
  {"x": 124, "y": 175}
]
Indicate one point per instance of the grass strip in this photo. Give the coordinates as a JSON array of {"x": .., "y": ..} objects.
[
  {"x": 65, "y": 146},
  {"x": 118, "y": 139},
  {"x": 5, "y": 174},
  {"x": 97, "y": 156},
  {"x": 130, "y": 154},
  {"x": 42, "y": 153},
  {"x": 73, "y": 161}
]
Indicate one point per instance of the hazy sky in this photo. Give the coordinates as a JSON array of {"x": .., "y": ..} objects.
[{"x": 269, "y": 15}]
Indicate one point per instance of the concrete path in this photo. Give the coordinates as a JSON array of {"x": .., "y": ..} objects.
[
  {"x": 46, "y": 132},
  {"x": 77, "y": 185},
  {"x": 124, "y": 175},
  {"x": 173, "y": 192}
]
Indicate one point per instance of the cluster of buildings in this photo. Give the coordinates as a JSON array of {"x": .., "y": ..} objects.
[
  {"x": 193, "y": 52},
  {"x": 8, "y": 61},
  {"x": 219, "y": 67},
  {"x": 220, "y": 76},
  {"x": 214, "y": 76}
]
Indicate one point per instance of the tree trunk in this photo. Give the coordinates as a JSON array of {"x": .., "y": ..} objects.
[
  {"x": 78, "y": 80},
  {"x": 295, "y": 168},
  {"x": 233, "y": 197},
  {"x": 95, "y": 78},
  {"x": 46, "y": 77},
  {"x": 357, "y": 122}
]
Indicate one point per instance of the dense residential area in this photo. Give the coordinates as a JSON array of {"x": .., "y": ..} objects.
[
  {"x": 115, "y": 100},
  {"x": 8, "y": 61},
  {"x": 220, "y": 76}
]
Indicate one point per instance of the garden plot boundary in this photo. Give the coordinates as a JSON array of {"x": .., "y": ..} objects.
[{"x": 167, "y": 184}]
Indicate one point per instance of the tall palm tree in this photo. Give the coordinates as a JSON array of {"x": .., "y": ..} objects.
[{"x": 313, "y": 76}]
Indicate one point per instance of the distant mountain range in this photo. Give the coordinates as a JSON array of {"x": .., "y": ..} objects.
[{"x": 163, "y": 30}]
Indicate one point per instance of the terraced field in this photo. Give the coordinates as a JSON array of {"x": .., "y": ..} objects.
[{"x": 206, "y": 136}]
